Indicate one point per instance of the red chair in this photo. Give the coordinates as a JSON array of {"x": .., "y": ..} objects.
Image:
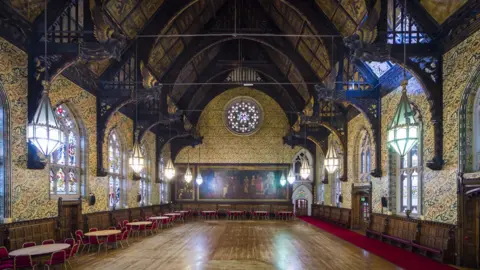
[
  {"x": 69, "y": 241},
  {"x": 72, "y": 254},
  {"x": 124, "y": 223},
  {"x": 4, "y": 257},
  {"x": 93, "y": 230},
  {"x": 58, "y": 257},
  {"x": 6, "y": 265},
  {"x": 95, "y": 241},
  {"x": 119, "y": 226},
  {"x": 112, "y": 228},
  {"x": 48, "y": 242},
  {"x": 123, "y": 237},
  {"x": 28, "y": 244},
  {"x": 153, "y": 228},
  {"x": 111, "y": 239},
  {"x": 24, "y": 261},
  {"x": 81, "y": 240}
]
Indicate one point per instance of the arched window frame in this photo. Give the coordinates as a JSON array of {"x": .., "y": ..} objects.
[
  {"x": 410, "y": 175},
  {"x": 116, "y": 175},
  {"x": 336, "y": 188},
  {"x": 297, "y": 163},
  {"x": 5, "y": 158},
  {"x": 476, "y": 133},
  {"x": 163, "y": 184},
  {"x": 145, "y": 183},
  {"x": 365, "y": 158},
  {"x": 58, "y": 165}
]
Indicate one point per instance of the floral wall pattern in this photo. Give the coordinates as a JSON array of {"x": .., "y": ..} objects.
[{"x": 221, "y": 146}]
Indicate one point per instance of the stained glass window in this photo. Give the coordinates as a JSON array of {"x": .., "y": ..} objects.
[
  {"x": 243, "y": 116},
  {"x": 145, "y": 179},
  {"x": 4, "y": 156},
  {"x": 65, "y": 165},
  {"x": 410, "y": 169},
  {"x": 115, "y": 170},
  {"x": 365, "y": 157}
]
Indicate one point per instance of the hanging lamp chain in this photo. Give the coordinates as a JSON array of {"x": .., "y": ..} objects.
[{"x": 404, "y": 82}]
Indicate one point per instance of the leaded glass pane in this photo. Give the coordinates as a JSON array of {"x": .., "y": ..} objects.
[
  {"x": 362, "y": 163},
  {"x": 60, "y": 179},
  {"x": 415, "y": 192},
  {"x": 404, "y": 192},
  {"x": 414, "y": 156},
  {"x": 72, "y": 182},
  {"x": 72, "y": 149}
]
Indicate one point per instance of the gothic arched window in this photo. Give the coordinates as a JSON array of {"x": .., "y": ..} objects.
[
  {"x": 297, "y": 163},
  {"x": 365, "y": 158},
  {"x": 65, "y": 163},
  {"x": 410, "y": 177},
  {"x": 145, "y": 182},
  {"x": 116, "y": 170}
]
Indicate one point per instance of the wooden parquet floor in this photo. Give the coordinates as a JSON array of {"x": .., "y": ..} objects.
[{"x": 232, "y": 245}]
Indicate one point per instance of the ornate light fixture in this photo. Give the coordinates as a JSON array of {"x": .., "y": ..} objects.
[
  {"x": 305, "y": 166},
  {"x": 199, "y": 179},
  {"x": 305, "y": 169},
  {"x": 332, "y": 161},
  {"x": 403, "y": 130},
  {"x": 283, "y": 180},
  {"x": 188, "y": 173},
  {"x": 169, "y": 170},
  {"x": 291, "y": 176},
  {"x": 44, "y": 131},
  {"x": 136, "y": 160}
]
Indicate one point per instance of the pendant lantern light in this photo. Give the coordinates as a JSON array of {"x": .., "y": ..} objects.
[
  {"x": 169, "y": 170},
  {"x": 332, "y": 161},
  {"x": 188, "y": 173},
  {"x": 305, "y": 168},
  {"x": 199, "y": 179},
  {"x": 136, "y": 160},
  {"x": 283, "y": 180},
  {"x": 44, "y": 130},
  {"x": 291, "y": 176},
  {"x": 402, "y": 133}
]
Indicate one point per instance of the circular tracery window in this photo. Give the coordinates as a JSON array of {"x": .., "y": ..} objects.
[{"x": 243, "y": 116}]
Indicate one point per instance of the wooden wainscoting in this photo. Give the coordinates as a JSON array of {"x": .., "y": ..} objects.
[
  {"x": 432, "y": 239},
  {"x": 17, "y": 233},
  {"x": 337, "y": 215},
  {"x": 222, "y": 207}
]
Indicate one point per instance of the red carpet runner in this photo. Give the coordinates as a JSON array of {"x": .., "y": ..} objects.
[{"x": 398, "y": 256}]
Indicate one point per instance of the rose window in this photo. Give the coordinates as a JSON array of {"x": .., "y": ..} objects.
[{"x": 243, "y": 116}]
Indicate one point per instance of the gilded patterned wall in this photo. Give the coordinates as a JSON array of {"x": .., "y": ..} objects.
[
  {"x": 440, "y": 10},
  {"x": 221, "y": 146},
  {"x": 30, "y": 188},
  {"x": 439, "y": 187},
  {"x": 356, "y": 126}
]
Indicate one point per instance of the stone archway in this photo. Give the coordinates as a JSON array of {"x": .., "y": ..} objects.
[{"x": 303, "y": 192}]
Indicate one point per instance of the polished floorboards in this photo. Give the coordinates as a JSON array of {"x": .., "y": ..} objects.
[{"x": 225, "y": 244}]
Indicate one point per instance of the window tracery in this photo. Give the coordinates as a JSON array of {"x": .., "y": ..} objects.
[
  {"x": 65, "y": 165},
  {"x": 243, "y": 116},
  {"x": 116, "y": 171}
]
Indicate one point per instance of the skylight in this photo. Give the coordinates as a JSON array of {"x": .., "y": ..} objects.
[{"x": 380, "y": 68}]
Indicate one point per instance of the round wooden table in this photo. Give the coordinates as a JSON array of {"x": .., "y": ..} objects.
[
  {"x": 160, "y": 218},
  {"x": 103, "y": 233},
  {"x": 39, "y": 250},
  {"x": 176, "y": 215},
  {"x": 139, "y": 223}
]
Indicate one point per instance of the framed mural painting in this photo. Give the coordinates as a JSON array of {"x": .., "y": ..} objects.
[
  {"x": 184, "y": 191},
  {"x": 242, "y": 183}
]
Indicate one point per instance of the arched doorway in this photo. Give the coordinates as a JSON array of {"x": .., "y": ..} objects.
[{"x": 302, "y": 199}]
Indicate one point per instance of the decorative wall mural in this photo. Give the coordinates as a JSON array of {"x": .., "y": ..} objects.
[{"x": 257, "y": 183}]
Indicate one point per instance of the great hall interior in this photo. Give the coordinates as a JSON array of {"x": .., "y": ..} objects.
[{"x": 240, "y": 134}]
